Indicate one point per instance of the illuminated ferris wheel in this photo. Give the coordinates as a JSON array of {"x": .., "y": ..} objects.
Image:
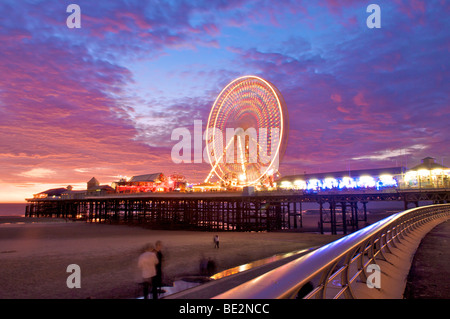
[{"x": 246, "y": 132}]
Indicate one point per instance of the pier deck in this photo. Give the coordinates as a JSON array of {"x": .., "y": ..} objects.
[{"x": 340, "y": 211}]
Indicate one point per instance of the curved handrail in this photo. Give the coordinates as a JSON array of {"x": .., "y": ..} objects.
[{"x": 362, "y": 248}]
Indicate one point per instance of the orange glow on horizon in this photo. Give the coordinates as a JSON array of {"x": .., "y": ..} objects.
[{"x": 18, "y": 193}]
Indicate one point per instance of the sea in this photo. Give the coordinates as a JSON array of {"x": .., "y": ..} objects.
[{"x": 12, "y": 209}]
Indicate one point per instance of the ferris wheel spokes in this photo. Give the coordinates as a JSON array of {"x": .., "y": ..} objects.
[
  {"x": 244, "y": 177},
  {"x": 254, "y": 104},
  {"x": 219, "y": 160}
]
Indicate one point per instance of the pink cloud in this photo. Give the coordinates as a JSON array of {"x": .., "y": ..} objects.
[
  {"x": 412, "y": 7},
  {"x": 343, "y": 109},
  {"x": 59, "y": 114},
  {"x": 211, "y": 29},
  {"x": 336, "y": 98},
  {"x": 359, "y": 100}
]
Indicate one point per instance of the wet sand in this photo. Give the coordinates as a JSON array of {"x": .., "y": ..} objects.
[{"x": 34, "y": 255}]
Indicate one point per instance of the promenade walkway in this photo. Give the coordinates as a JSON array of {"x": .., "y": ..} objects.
[{"x": 429, "y": 276}]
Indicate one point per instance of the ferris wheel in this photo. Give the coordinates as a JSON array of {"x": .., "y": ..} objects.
[{"x": 246, "y": 132}]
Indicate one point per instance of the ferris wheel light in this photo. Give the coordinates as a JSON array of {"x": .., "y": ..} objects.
[{"x": 248, "y": 101}]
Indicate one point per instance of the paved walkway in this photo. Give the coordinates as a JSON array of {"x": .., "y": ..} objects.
[{"x": 429, "y": 276}]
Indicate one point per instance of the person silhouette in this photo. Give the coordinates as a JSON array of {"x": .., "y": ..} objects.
[
  {"x": 216, "y": 241},
  {"x": 147, "y": 264}
]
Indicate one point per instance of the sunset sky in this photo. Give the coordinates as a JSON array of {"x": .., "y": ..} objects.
[{"x": 103, "y": 100}]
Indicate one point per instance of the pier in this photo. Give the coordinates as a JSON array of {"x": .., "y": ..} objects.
[{"x": 340, "y": 211}]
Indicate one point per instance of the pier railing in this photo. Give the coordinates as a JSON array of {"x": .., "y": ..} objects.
[{"x": 339, "y": 269}]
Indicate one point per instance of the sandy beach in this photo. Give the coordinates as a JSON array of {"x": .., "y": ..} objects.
[{"x": 34, "y": 255}]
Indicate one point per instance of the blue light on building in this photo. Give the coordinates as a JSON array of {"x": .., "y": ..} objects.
[{"x": 358, "y": 179}]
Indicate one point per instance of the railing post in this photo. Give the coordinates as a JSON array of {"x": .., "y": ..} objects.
[
  {"x": 325, "y": 279},
  {"x": 360, "y": 264}
]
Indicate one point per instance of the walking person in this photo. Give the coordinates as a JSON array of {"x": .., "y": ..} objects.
[
  {"x": 159, "y": 255},
  {"x": 147, "y": 264},
  {"x": 216, "y": 241}
]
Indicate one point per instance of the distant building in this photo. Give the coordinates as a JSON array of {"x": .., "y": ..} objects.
[
  {"x": 364, "y": 178},
  {"x": 155, "y": 182},
  {"x": 93, "y": 183},
  {"x": 207, "y": 187},
  {"x": 428, "y": 174},
  {"x": 53, "y": 193},
  {"x": 142, "y": 184},
  {"x": 429, "y": 163},
  {"x": 94, "y": 188}
]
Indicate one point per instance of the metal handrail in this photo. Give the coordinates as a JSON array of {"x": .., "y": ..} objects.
[{"x": 335, "y": 259}]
